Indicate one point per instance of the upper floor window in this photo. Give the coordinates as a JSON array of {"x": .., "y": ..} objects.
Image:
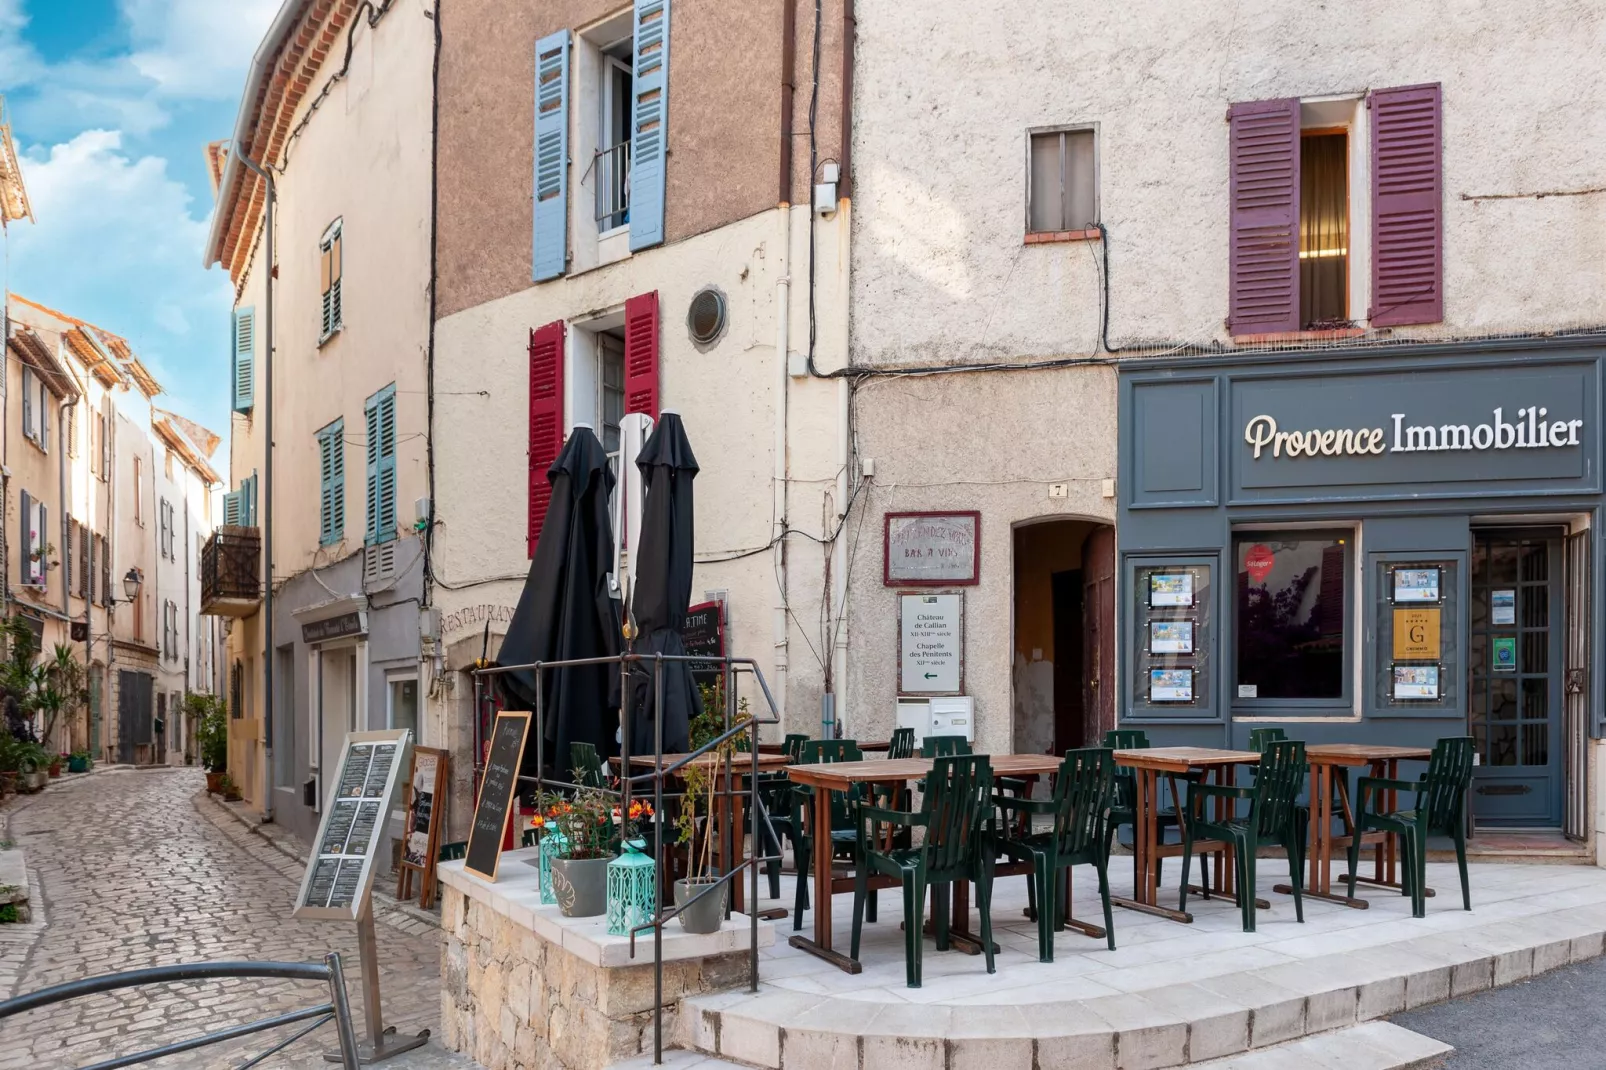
[
  {"x": 1062, "y": 184},
  {"x": 611, "y": 162},
  {"x": 379, "y": 412},
  {"x": 36, "y": 403},
  {"x": 329, "y": 267},
  {"x": 1293, "y": 209},
  {"x": 139, "y": 493}
]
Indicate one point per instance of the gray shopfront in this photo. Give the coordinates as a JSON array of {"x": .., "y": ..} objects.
[{"x": 1385, "y": 545}]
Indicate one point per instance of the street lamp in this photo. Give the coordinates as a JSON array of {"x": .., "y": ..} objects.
[{"x": 132, "y": 581}]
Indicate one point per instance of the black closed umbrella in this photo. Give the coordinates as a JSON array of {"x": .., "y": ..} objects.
[
  {"x": 566, "y": 611},
  {"x": 662, "y": 591}
]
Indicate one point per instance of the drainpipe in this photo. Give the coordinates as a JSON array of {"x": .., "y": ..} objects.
[
  {"x": 269, "y": 652},
  {"x": 66, "y": 524},
  {"x": 783, "y": 302}
]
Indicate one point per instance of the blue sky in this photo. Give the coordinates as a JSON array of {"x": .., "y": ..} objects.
[{"x": 111, "y": 103}]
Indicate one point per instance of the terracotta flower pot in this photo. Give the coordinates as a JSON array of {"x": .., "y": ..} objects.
[
  {"x": 214, "y": 783},
  {"x": 55, "y": 770}
]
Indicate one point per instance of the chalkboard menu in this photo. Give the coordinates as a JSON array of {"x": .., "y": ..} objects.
[
  {"x": 340, "y": 871},
  {"x": 704, "y": 634},
  {"x": 426, "y": 799},
  {"x": 497, "y": 788}
]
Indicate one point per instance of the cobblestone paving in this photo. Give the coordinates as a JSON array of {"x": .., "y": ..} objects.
[{"x": 139, "y": 868}]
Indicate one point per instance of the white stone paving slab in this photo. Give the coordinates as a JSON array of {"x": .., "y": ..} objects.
[{"x": 1170, "y": 993}]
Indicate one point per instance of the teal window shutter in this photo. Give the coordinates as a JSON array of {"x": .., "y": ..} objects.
[
  {"x": 232, "y": 510},
  {"x": 649, "y": 123},
  {"x": 550, "y": 244},
  {"x": 379, "y": 412},
  {"x": 244, "y": 359},
  {"x": 248, "y": 501},
  {"x": 332, "y": 474}
]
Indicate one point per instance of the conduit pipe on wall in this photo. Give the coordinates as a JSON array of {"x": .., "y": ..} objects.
[{"x": 783, "y": 297}]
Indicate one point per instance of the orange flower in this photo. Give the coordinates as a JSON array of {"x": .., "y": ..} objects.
[
  {"x": 537, "y": 821},
  {"x": 639, "y": 809}
]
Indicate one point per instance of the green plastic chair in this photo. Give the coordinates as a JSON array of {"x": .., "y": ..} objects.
[
  {"x": 815, "y": 752},
  {"x": 1259, "y": 739},
  {"x": 1271, "y": 819},
  {"x": 956, "y": 814},
  {"x": 792, "y": 747},
  {"x": 586, "y": 765},
  {"x": 450, "y": 852},
  {"x": 944, "y": 747},
  {"x": 1082, "y": 790},
  {"x": 902, "y": 745},
  {"x": 1439, "y": 809},
  {"x": 1124, "y": 802}
]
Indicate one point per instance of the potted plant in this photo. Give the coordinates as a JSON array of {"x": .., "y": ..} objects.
[
  {"x": 230, "y": 790},
  {"x": 701, "y": 778},
  {"x": 56, "y": 763},
  {"x": 9, "y": 758},
  {"x": 211, "y": 736},
  {"x": 34, "y": 767},
  {"x": 79, "y": 761},
  {"x": 580, "y": 869}
]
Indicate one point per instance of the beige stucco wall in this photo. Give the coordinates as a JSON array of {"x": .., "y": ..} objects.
[
  {"x": 724, "y": 141},
  {"x": 940, "y": 272},
  {"x": 364, "y": 159},
  {"x": 726, "y": 396}
]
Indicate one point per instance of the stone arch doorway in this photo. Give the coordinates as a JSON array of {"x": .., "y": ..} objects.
[{"x": 1064, "y": 634}]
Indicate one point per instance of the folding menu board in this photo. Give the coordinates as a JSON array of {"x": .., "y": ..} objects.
[{"x": 341, "y": 869}]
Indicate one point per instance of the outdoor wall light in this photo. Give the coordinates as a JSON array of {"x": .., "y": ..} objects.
[{"x": 132, "y": 581}]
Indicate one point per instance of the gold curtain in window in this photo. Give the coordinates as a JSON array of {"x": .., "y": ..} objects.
[{"x": 1324, "y": 230}]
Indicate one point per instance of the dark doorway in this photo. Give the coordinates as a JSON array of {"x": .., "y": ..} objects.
[
  {"x": 1518, "y": 684},
  {"x": 1064, "y": 572},
  {"x": 1068, "y": 715},
  {"x": 134, "y": 724}
]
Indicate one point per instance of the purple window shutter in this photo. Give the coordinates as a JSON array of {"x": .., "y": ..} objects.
[
  {"x": 1407, "y": 207},
  {"x": 1264, "y": 206}
]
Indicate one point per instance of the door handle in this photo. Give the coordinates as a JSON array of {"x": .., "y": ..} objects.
[{"x": 1505, "y": 789}]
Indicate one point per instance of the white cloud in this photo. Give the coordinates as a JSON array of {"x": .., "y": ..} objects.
[
  {"x": 115, "y": 244},
  {"x": 196, "y": 48}
]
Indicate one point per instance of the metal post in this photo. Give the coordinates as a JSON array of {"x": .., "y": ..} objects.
[
  {"x": 380, "y": 1043},
  {"x": 753, "y": 817},
  {"x": 658, "y": 798},
  {"x": 337, "y": 996}
]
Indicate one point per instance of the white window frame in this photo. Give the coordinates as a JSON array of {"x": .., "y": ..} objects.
[
  {"x": 338, "y": 315},
  {"x": 391, "y": 680}
]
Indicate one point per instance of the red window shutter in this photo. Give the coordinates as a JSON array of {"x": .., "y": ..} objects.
[
  {"x": 641, "y": 354},
  {"x": 1263, "y": 199},
  {"x": 546, "y": 420},
  {"x": 1407, "y": 207}
]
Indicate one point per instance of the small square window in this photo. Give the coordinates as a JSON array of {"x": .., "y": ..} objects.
[{"x": 1063, "y": 193}]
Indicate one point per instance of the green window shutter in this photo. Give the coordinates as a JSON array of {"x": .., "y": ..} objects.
[
  {"x": 231, "y": 508},
  {"x": 379, "y": 412},
  {"x": 332, "y": 474},
  {"x": 248, "y": 501},
  {"x": 244, "y": 359}
]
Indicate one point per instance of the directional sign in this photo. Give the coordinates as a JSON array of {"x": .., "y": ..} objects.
[{"x": 931, "y": 644}]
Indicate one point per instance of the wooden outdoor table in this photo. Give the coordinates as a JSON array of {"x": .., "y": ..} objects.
[
  {"x": 1382, "y": 761},
  {"x": 1147, "y": 764},
  {"x": 841, "y": 776},
  {"x": 730, "y": 820}
]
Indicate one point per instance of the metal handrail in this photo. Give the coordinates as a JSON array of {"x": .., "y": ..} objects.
[
  {"x": 751, "y": 859},
  {"x": 612, "y": 168},
  {"x": 337, "y": 1009}
]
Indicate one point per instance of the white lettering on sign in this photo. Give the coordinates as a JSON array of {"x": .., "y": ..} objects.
[
  {"x": 932, "y": 643},
  {"x": 1530, "y": 429}
]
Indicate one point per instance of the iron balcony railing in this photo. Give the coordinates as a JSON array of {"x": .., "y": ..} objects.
[
  {"x": 231, "y": 570},
  {"x": 611, "y": 168}
]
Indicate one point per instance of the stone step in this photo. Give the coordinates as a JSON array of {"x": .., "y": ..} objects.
[
  {"x": 678, "y": 1059},
  {"x": 1370, "y": 1046}
]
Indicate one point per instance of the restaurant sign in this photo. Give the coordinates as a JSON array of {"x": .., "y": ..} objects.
[{"x": 931, "y": 548}]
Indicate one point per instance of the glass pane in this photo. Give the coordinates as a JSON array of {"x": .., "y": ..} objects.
[
  {"x": 1502, "y": 563},
  {"x": 1536, "y": 699},
  {"x": 1502, "y": 744},
  {"x": 1081, "y": 208},
  {"x": 1535, "y": 607},
  {"x": 613, "y": 390},
  {"x": 1480, "y": 741},
  {"x": 1480, "y": 699},
  {"x": 1291, "y": 619},
  {"x": 1046, "y": 207},
  {"x": 1480, "y": 563},
  {"x": 1535, "y": 563},
  {"x": 1480, "y": 609},
  {"x": 1535, "y": 652},
  {"x": 1480, "y": 647},
  {"x": 1536, "y": 744},
  {"x": 1323, "y": 229},
  {"x": 404, "y": 705},
  {"x": 1503, "y": 700}
]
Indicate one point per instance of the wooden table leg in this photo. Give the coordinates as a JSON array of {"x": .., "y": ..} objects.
[
  {"x": 733, "y": 860},
  {"x": 821, "y": 944},
  {"x": 1144, "y": 835},
  {"x": 1323, "y": 807}
]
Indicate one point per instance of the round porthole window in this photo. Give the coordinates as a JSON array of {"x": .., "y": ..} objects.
[{"x": 705, "y": 319}]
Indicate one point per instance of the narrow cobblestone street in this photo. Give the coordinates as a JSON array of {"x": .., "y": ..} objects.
[{"x": 139, "y": 868}]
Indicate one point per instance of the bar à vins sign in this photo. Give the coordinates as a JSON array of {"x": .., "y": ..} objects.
[{"x": 939, "y": 549}]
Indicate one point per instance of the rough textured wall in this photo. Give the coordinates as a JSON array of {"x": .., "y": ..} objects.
[
  {"x": 940, "y": 147},
  {"x": 724, "y": 125}
]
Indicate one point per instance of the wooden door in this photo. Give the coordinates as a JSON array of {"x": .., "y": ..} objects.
[{"x": 1098, "y": 633}]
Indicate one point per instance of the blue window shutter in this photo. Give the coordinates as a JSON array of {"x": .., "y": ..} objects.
[
  {"x": 649, "y": 123},
  {"x": 27, "y": 402},
  {"x": 248, "y": 501},
  {"x": 332, "y": 471},
  {"x": 550, "y": 245},
  {"x": 25, "y": 576},
  {"x": 231, "y": 509},
  {"x": 380, "y": 414},
  {"x": 244, "y": 359}
]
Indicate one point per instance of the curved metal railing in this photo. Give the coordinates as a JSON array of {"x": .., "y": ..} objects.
[{"x": 336, "y": 1010}]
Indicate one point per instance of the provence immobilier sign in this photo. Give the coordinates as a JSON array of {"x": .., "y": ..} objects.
[{"x": 1529, "y": 428}]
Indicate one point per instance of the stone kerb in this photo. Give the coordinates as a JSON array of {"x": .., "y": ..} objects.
[{"x": 524, "y": 988}]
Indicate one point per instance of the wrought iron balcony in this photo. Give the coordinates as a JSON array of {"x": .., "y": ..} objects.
[{"x": 231, "y": 572}]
